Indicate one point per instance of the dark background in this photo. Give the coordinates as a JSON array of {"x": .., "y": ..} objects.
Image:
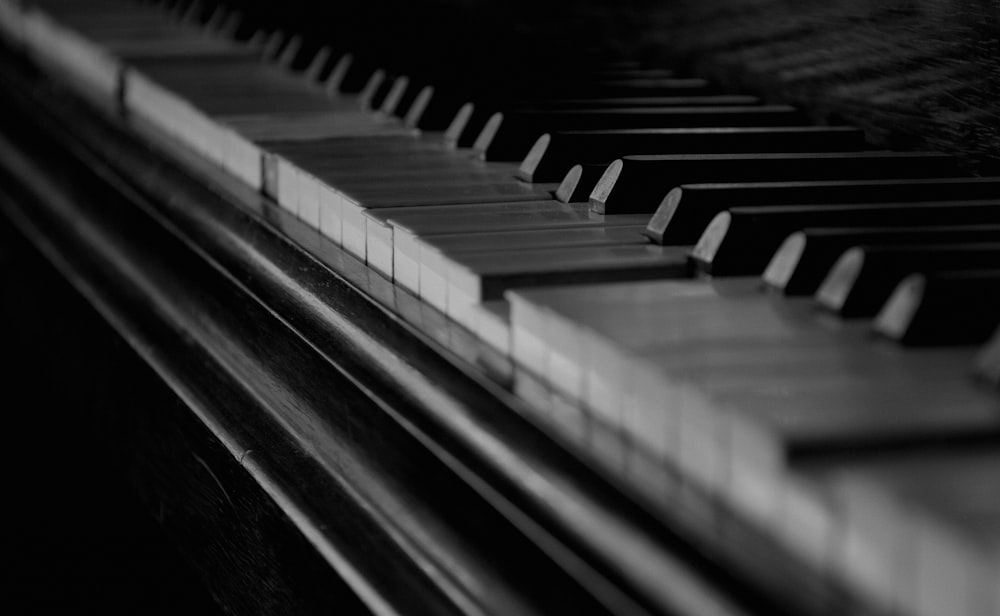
[{"x": 75, "y": 537}]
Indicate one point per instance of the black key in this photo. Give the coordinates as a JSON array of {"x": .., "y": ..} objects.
[
  {"x": 418, "y": 106},
  {"x": 987, "y": 365},
  {"x": 635, "y": 184},
  {"x": 351, "y": 75},
  {"x": 394, "y": 97},
  {"x": 630, "y": 88},
  {"x": 432, "y": 110},
  {"x": 366, "y": 97},
  {"x": 579, "y": 182},
  {"x": 290, "y": 52},
  {"x": 687, "y": 209},
  {"x": 862, "y": 279},
  {"x": 464, "y": 128},
  {"x": 509, "y": 136},
  {"x": 642, "y": 101},
  {"x": 611, "y": 73},
  {"x": 411, "y": 96},
  {"x": 942, "y": 308},
  {"x": 805, "y": 257},
  {"x": 376, "y": 90},
  {"x": 554, "y": 153},
  {"x": 273, "y": 44},
  {"x": 588, "y": 94},
  {"x": 741, "y": 241}
]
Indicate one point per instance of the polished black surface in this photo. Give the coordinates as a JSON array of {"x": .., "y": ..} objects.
[{"x": 77, "y": 539}]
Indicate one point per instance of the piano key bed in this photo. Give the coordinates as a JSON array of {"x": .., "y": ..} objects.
[{"x": 786, "y": 409}]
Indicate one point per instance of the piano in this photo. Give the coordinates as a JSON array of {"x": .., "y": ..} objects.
[{"x": 508, "y": 309}]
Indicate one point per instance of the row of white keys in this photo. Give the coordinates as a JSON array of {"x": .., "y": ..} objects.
[
  {"x": 425, "y": 266},
  {"x": 212, "y": 120},
  {"x": 455, "y": 281},
  {"x": 372, "y": 173},
  {"x": 302, "y": 187},
  {"x": 921, "y": 527},
  {"x": 723, "y": 382}
]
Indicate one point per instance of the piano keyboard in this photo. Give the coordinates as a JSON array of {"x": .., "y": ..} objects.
[{"x": 563, "y": 230}]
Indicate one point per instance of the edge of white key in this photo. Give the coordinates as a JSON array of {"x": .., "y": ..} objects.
[
  {"x": 645, "y": 420},
  {"x": 528, "y": 322},
  {"x": 608, "y": 380},
  {"x": 287, "y": 193},
  {"x": 567, "y": 357},
  {"x": 755, "y": 476},
  {"x": 433, "y": 274},
  {"x": 464, "y": 293},
  {"x": 243, "y": 159},
  {"x": 872, "y": 538},
  {"x": 330, "y": 205},
  {"x": 493, "y": 325},
  {"x": 308, "y": 199},
  {"x": 353, "y": 219},
  {"x": 379, "y": 247},
  {"x": 806, "y": 522},
  {"x": 406, "y": 260}
]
